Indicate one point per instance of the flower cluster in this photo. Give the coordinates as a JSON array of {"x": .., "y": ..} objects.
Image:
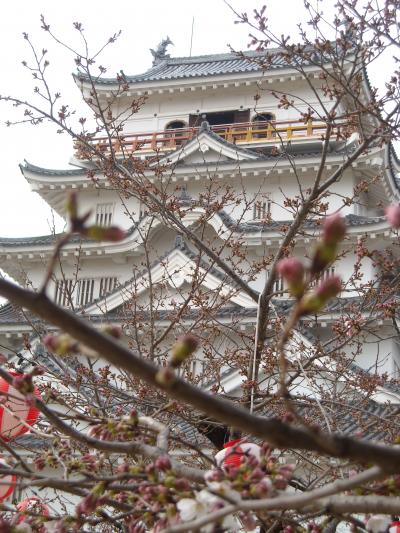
[
  {"x": 298, "y": 277},
  {"x": 256, "y": 474},
  {"x": 184, "y": 347}
]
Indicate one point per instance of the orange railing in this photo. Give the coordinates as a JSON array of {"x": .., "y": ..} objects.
[{"x": 239, "y": 133}]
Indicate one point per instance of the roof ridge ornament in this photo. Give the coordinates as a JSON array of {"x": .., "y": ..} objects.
[
  {"x": 160, "y": 53},
  {"x": 205, "y": 125}
]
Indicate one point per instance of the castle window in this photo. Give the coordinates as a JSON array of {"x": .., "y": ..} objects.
[
  {"x": 323, "y": 275},
  {"x": 64, "y": 291},
  {"x": 264, "y": 117},
  {"x": 175, "y": 125},
  {"x": 107, "y": 285},
  {"x": 264, "y": 129},
  {"x": 261, "y": 209},
  {"x": 278, "y": 286},
  {"x": 85, "y": 291},
  {"x": 104, "y": 214}
]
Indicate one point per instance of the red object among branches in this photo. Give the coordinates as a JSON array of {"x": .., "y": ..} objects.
[{"x": 14, "y": 409}]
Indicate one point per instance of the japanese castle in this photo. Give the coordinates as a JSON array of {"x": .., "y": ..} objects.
[{"x": 220, "y": 153}]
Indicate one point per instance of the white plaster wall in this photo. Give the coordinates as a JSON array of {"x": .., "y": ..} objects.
[{"x": 155, "y": 114}]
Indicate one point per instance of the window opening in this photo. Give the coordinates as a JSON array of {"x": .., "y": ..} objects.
[
  {"x": 278, "y": 287},
  {"x": 265, "y": 128},
  {"x": 104, "y": 214},
  {"x": 64, "y": 290},
  {"x": 176, "y": 133},
  {"x": 85, "y": 291},
  {"x": 107, "y": 285},
  {"x": 261, "y": 209}
]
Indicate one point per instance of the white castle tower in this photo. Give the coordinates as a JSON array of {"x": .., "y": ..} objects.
[{"x": 233, "y": 168}]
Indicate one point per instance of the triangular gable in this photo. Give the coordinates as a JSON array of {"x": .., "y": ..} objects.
[
  {"x": 175, "y": 269},
  {"x": 207, "y": 146}
]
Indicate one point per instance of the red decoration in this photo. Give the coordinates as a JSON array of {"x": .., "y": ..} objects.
[
  {"x": 234, "y": 451},
  {"x": 15, "y": 401},
  {"x": 395, "y": 527},
  {"x": 7, "y": 485},
  {"x": 33, "y": 504}
]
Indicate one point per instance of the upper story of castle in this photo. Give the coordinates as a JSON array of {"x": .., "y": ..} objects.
[{"x": 239, "y": 95}]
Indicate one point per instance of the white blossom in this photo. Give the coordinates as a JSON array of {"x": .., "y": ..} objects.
[
  {"x": 203, "y": 504},
  {"x": 378, "y": 523}
]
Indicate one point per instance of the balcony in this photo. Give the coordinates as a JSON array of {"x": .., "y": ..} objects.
[{"x": 248, "y": 134}]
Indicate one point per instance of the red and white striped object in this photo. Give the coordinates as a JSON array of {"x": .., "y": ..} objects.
[
  {"x": 33, "y": 504},
  {"x": 7, "y": 483},
  {"x": 395, "y": 527},
  {"x": 234, "y": 451},
  {"x": 17, "y": 409}
]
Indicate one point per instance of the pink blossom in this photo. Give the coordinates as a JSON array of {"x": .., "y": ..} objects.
[
  {"x": 393, "y": 215},
  {"x": 334, "y": 229},
  {"x": 291, "y": 269}
]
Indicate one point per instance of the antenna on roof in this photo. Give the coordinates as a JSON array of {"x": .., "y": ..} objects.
[{"x": 191, "y": 38}]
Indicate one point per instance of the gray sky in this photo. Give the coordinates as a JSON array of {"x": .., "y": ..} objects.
[{"x": 143, "y": 25}]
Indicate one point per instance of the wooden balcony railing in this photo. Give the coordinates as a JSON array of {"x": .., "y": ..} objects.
[{"x": 244, "y": 133}]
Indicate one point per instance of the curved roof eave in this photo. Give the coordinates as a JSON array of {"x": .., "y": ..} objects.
[{"x": 253, "y": 233}]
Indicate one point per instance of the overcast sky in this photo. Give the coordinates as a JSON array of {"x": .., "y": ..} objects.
[{"x": 143, "y": 25}]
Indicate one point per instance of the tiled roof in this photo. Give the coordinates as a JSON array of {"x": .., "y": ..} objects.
[
  {"x": 201, "y": 66},
  {"x": 11, "y": 314},
  {"x": 243, "y": 227},
  {"x": 52, "y": 171}
]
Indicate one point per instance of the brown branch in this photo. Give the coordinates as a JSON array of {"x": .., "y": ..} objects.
[{"x": 274, "y": 431}]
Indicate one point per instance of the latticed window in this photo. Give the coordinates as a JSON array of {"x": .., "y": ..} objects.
[
  {"x": 324, "y": 274},
  {"x": 85, "y": 291},
  {"x": 107, "y": 285},
  {"x": 64, "y": 290},
  {"x": 104, "y": 214},
  {"x": 261, "y": 209},
  {"x": 278, "y": 286}
]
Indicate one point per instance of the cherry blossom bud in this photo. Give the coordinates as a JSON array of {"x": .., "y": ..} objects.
[
  {"x": 334, "y": 229},
  {"x": 113, "y": 331},
  {"x": 183, "y": 348},
  {"x": 262, "y": 488},
  {"x": 104, "y": 233},
  {"x": 393, "y": 215},
  {"x": 87, "y": 505},
  {"x": 329, "y": 288},
  {"x": 38, "y": 371},
  {"x": 61, "y": 344},
  {"x": 163, "y": 463},
  {"x": 165, "y": 377},
  {"x": 23, "y": 383},
  {"x": 292, "y": 271},
  {"x": 72, "y": 206},
  {"x": 316, "y": 300}
]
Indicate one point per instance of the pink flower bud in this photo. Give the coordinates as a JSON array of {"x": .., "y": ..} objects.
[
  {"x": 61, "y": 344},
  {"x": 23, "y": 383},
  {"x": 103, "y": 233},
  {"x": 183, "y": 348},
  {"x": 113, "y": 331},
  {"x": 163, "y": 463},
  {"x": 334, "y": 229},
  {"x": 329, "y": 288},
  {"x": 393, "y": 215},
  {"x": 292, "y": 271},
  {"x": 315, "y": 301},
  {"x": 165, "y": 377}
]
